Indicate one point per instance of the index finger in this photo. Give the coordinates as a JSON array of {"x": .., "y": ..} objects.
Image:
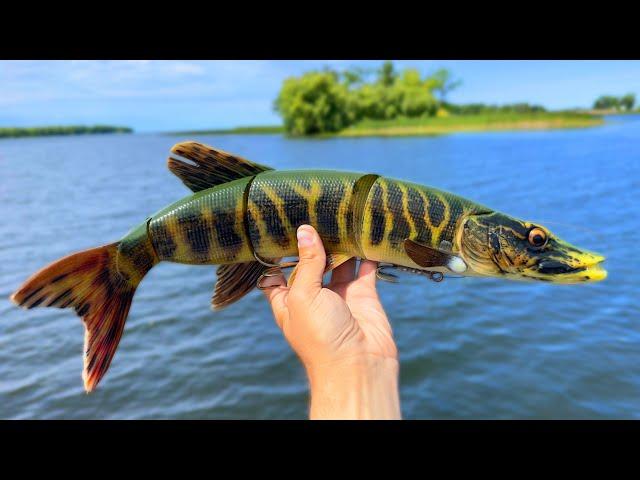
[
  {"x": 367, "y": 273},
  {"x": 274, "y": 289}
]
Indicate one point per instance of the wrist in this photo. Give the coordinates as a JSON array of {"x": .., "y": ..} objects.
[{"x": 362, "y": 387}]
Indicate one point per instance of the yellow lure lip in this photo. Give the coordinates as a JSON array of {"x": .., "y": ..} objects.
[
  {"x": 594, "y": 273},
  {"x": 590, "y": 270},
  {"x": 593, "y": 269}
]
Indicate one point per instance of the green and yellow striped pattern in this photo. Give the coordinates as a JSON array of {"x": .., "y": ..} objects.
[
  {"x": 279, "y": 202},
  {"x": 205, "y": 228},
  {"x": 360, "y": 215},
  {"x": 396, "y": 210}
]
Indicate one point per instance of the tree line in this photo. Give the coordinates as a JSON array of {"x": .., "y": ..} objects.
[
  {"x": 329, "y": 100},
  {"x": 609, "y": 102},
  {"x": 61, "y": 130}
]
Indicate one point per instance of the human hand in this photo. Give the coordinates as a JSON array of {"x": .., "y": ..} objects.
[{"x": 340, "y": 332}]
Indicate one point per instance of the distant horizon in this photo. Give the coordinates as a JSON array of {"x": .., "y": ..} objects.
[{"x": 174, "y": 96}]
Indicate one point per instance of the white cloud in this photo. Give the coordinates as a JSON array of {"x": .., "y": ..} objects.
[
  {"x": 186, "y": 68},
  {"x": 65, "y": 80}
]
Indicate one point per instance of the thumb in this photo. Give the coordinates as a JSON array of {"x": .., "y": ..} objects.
[{"x": 312, "y": 261}]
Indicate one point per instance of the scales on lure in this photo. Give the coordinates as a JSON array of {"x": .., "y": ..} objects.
[{"x": 243, "y": 216}]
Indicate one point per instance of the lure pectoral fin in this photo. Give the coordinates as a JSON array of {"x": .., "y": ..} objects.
[{"x": 429, "y": 257}]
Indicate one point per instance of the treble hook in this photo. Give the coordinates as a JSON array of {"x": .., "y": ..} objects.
[
  {"x": 274, "y": 270},
  {"x": 271, "y": 272},
  {"x": 385, "y": 276},
  {"x": 389, "y": 277},
  {"x": 266, "y": 263}
]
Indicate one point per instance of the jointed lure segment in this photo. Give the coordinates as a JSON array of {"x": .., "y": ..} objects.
[{"x": 243, "y": 216}]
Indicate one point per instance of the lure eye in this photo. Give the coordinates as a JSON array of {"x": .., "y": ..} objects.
[{"x": 537, "y": 237}]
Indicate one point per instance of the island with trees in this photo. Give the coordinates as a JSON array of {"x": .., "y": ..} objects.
[
  {"x": 358, "y": 102},
  {"x": 386, "y": 102},
  {"x": 14, "y": 132}
]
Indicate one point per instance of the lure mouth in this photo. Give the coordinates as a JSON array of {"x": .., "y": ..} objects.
[
  {"x": 594, "y": 273},
  {"x": 585, "y": 267}
]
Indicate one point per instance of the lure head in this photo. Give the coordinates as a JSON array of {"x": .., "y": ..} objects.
[{"x": 497, "y": 245}]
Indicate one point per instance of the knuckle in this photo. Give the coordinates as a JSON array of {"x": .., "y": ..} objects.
[
  {"x": 311, "y": 259},
  {"x": 307, "y": 256}
]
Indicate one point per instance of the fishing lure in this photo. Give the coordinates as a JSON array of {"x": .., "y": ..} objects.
[{"x": 243, "y": 216}]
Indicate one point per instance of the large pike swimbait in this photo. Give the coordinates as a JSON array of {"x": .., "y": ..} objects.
[{"x": 243, "y": 216}]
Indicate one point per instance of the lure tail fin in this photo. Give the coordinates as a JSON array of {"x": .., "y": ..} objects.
[{"x": 91, "y": 283}]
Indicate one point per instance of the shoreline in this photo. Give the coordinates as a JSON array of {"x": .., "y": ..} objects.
[
  {"x": 257, "y": 130},
  {"x": 62, "y": 131},
  {"x": 488, "y": 122},
  {"x": 400, "y": 127},
  {"x": 427, "y": 130},
  {"x": 432, "y": 126}
]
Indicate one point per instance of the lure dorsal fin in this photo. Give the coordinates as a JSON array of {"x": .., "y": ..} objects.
[
  {"x": 201, "y": 166},
  {"x": 429, "y": 257},
  {"x": 234, "y": 282}
]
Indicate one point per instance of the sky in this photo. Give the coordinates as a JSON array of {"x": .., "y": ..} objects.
[{"x": 160, "y": 95}]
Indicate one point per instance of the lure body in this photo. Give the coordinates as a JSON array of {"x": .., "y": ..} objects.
[
  {"x": 356, "y": 215},
  {"x": 243, "y": 216}
]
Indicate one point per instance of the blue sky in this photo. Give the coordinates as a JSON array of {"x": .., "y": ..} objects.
[{"x": 176, "y": 95}]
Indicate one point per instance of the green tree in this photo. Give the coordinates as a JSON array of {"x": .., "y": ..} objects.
[
  {"x": 443, "y": 83},
  {"x": 327, "y": 101},
  {"x": 414, "y": 95},
  {"x": 387, "y": 74},
  {"x": 409, "y": 95},
  {"x": 628, "y": 101},
  {"x": 606, "y": 102},
  {"x": 352, "y": 77},
  {"x": 314, "y": 103}
]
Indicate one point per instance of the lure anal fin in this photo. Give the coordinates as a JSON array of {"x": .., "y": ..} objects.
[
  {"x": 428, "y": 257},
  {"x": 234, "y": 282}
]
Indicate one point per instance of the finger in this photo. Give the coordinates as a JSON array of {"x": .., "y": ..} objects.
[
  {"x": 344, "y": 273},
  {"x": 367, "y": 273},
  {"x": 275, "y": 291},
  {"x": 312, "y": 261},
  {"x": 277, "y": 298}
]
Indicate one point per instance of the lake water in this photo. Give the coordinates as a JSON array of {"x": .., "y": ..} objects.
[{"x": 469, "y": 348}]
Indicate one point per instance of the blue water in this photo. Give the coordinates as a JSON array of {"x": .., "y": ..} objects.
[{"x": 469, "y": 348}]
